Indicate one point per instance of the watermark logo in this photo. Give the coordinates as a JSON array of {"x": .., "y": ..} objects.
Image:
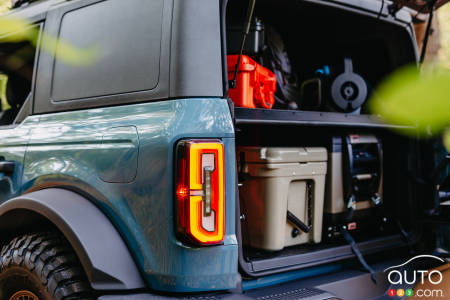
[{"x": 428, "y": 280}]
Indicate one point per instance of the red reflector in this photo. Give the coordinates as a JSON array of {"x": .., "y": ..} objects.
[
  {"x": 200, "y": 191},
  {"x": 182, "y": 192},
  {"x": 351, "y": 226}
]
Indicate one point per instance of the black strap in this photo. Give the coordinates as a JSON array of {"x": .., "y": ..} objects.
[
  {"x": 298, "y": 223},
  {"x": 247, "y": 24},
  {"x": 427, "y": 31},
  {"x": 358, "y": 254},
  {"x": 309, "y": 186}
]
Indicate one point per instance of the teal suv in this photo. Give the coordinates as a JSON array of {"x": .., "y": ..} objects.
[{"x": 119, "y": 175}]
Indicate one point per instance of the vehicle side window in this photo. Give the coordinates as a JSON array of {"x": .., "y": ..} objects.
[
  {"x": 127, "y": 38},
  {"x": 16, "y": 75}
]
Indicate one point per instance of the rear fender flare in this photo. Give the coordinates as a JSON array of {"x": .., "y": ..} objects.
[{"x": 99, "y": 246}]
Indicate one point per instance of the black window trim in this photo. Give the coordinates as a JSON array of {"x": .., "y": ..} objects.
[{"x": 39, "y": 23}]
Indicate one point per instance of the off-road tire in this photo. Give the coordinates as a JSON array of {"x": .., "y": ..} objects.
[{"x": 43, "y": 264}]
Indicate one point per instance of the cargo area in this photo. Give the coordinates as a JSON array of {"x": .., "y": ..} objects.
[
  {"x": 321, "y": 41},
  {"x": 317, "y": 172},
  {"x": 313, "y": 190}
]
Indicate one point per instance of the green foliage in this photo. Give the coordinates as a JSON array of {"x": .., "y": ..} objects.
[
  {"x": 4, "y": 5},
  {"x": 419, "y": 98},
  {"x": 4, "y": 103},
  {"x": 447, "y": 139},
  {"x": 15, "y": 30}
]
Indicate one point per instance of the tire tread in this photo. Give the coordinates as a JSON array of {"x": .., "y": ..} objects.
[{"x": 50, "y": 257}]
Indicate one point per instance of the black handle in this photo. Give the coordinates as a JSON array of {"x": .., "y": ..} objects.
[
  {"x": 7, "y": 167},
  {"x": 297, "y": 223}
]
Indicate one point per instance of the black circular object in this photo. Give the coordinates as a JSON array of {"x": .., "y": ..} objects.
[
  {"x": 41, "y": 266},
  {"x": 349, "y": 90}
]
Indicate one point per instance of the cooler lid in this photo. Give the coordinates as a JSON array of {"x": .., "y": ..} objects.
[{"x": 283, "y": 154}]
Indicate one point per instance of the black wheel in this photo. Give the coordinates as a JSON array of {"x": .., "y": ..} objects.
[{"x": 41, "y": 266}]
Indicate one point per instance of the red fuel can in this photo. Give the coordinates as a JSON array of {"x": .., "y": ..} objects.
[{"x": 255, "y": 84}]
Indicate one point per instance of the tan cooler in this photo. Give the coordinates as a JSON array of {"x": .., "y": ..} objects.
[{"x": 275, "y": 181}]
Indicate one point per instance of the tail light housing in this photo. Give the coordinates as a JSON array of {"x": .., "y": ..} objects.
[{"x": 200, "y": 191}]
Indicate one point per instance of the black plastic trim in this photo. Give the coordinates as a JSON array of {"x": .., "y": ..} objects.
[
  {"x": 245, "y": 266},
  {"x": 293, "y": 262},
  {"x": 369, "y": 8},
  {"x": 223, "y": 37},
  {"x": 100, "y": 248},
  {"x": 258, "y": 116},
  {"x": 196, "y": 46},
  {"x": 285, "y": 291},
  {"x": 145, "y": 296}
]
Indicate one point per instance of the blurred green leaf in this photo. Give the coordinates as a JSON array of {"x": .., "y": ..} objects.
[
  {"x": 4, "y": 5},
  {"x": 13, "y": 30},
  {"x": 68, "y": 53},
  {"x": 4, "y": 104},
  {"x": 22, "y": 30},
  {"x": 447, "y": 139},
  {"x": 415, "y": 97}
]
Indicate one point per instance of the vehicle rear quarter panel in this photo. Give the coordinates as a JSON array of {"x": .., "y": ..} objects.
[
  {"x": 13, "y": 143},
  {"x": 68, "y": 149}
]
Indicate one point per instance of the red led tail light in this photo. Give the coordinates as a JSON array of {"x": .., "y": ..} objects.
[{"x": 200, "y": 191}]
